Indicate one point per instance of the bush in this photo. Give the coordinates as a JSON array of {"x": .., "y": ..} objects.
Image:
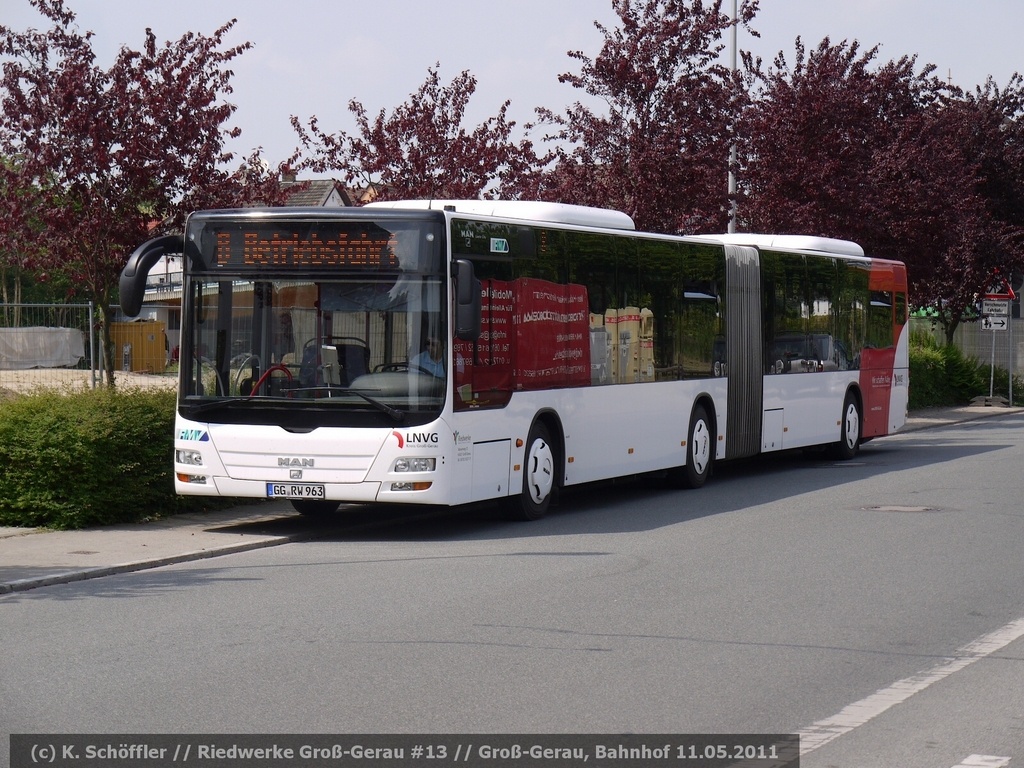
[
  {"x": 944, "y": 376},
  {"x": 96, "y": 457}
]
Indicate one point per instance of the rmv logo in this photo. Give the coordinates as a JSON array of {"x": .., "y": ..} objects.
[{"x": 416, "y": 438}]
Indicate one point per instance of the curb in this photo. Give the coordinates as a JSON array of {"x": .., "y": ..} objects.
[{"x": 66, "y": 577}]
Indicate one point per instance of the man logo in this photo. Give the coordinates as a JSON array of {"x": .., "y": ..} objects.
[{"x": 291, "y": 461}]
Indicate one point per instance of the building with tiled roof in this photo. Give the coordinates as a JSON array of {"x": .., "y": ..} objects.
[{"x": 316, "y": 193}]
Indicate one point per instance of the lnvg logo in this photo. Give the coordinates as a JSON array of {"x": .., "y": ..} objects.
[{"x": 416, "y": 438}]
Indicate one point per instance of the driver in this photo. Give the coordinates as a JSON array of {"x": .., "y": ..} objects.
[{"x": 431, "y": 359}]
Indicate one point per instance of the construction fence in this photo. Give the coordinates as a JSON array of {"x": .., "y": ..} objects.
[{"x": 58, "y": 345}]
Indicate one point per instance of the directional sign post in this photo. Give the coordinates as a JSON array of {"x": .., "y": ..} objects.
[{"x": 995, "y": 316}]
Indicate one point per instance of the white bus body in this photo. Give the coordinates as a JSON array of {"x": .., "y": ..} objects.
[{"x": 574, "y": 350}]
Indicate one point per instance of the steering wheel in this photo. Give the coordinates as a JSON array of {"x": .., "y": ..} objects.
[
  {"x": 241, "y": 369},
  {"x": 266, "y": 375},
  {"x": 385, "y": 367},
  {"x": 402, "y": 366}
]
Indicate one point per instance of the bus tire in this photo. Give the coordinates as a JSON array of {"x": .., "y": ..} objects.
[
  {"x": 538, "y": 475},
  {"x": 314, "y": 508},
  {"x": 849, "y": 434},
  {"x": 700, "y": 452}
]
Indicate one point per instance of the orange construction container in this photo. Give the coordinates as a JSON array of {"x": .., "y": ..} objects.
[{"x": 140, "y": 346}]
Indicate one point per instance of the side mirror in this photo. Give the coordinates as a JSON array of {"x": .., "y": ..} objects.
[
  {"x": 467, "y": 301},
  {"x": 132, "y": 284}
]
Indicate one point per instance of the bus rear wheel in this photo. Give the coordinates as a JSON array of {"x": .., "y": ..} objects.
[
  {"x": 538, "y": 476},
  {"x": 849, "y": 436},
  {"x": 315, "y": 508}
]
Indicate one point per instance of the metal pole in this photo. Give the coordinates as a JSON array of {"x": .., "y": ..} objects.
[
  {"x": 732, "y": 150},
  {"x": 992, "y": 369},
  {"x": 1012, "y": 363},
  {"x": 92, "y": 347}
]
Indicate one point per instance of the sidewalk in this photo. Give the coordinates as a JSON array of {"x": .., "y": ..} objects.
[
  {"x": 32, "y": 557},
  {"x": 36, "y": 557}
]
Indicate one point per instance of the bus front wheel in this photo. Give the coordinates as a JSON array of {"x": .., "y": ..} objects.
[{"x": 538, "y": 476}]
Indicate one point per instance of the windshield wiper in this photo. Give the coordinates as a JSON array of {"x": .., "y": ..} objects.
[{"x": 394, "y": 413}]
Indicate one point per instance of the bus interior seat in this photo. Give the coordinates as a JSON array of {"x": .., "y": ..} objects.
[{"x": 340, "y": 364}]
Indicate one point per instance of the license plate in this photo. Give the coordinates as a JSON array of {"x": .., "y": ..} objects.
[{"x": 295, "y": 490}]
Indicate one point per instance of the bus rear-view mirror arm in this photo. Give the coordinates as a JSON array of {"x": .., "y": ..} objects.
[
  {"x": 132, "y": 284},
  {"x": 467, "y": 301}
]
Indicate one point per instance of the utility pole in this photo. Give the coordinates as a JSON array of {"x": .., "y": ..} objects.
[{"x": 732, "y": 150}]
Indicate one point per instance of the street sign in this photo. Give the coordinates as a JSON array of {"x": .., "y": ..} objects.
[
  {"x": 994, "y": 308},
  {"x": 1000, "y": 289},
  {"x": 994, "y": 323}
]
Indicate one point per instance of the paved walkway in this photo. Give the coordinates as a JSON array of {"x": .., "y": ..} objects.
[{"x": 32, "y": 557}]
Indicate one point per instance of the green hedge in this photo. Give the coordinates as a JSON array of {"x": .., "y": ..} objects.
[{"x": 96, "y": 457}]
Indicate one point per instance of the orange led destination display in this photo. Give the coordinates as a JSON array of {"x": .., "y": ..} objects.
[{"x": 325, "y": 247}]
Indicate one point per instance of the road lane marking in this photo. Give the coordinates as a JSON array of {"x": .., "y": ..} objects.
[
  {"x": 860, "y": 712},
  {"x": 983, "y": 761}
]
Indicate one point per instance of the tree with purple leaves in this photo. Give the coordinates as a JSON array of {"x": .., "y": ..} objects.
[
  {"x": 660, "y": 152},
  {"x": 102, "y": 157},
  {"x": 422, "y": 149},
  {"x": 891, "y": 157}
]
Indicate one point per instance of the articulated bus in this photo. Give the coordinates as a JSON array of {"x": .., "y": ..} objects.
[{"x": 448, "y": 352}]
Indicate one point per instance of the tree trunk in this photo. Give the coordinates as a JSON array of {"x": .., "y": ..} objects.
[
  {"x": 951, "y": 327},
  {"x": 106, "y": 342}
]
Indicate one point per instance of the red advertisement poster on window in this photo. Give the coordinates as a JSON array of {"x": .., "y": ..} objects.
[{"x": 552, "y": 329}]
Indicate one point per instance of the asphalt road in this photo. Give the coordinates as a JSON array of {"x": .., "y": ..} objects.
[{"x": 876, "y": 607}]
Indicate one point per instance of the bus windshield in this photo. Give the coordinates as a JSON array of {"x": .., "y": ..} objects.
[{"x": 349, "y": 343}]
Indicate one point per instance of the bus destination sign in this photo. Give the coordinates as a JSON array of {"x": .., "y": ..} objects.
[{"x": 322, "y": 247}]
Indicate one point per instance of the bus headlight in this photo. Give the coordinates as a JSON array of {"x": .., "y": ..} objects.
[
  {"x": 192, "y": 458},
  {"x": 416, "y": 464}
]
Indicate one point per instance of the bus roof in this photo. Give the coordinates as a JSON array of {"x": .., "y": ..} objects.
[
  {"x": 792, "y": 243},
  {"x": 555, "y": 213}
]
